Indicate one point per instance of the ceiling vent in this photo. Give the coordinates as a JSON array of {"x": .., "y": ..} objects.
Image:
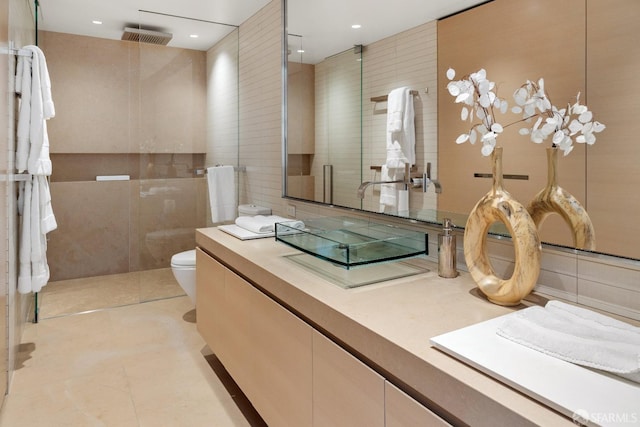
[{"x": 146, "y": 36}]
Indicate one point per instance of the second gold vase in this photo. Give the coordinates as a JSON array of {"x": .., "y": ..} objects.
[{"x": 554, "y": 199}]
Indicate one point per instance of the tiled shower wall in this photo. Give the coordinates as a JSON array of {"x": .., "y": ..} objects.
[
  {"x": 124, "y": 109},
  {"x": 105, "y": 227}
]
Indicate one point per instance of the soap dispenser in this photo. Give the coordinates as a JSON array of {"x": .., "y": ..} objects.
[{"x": 447, "y": 251}]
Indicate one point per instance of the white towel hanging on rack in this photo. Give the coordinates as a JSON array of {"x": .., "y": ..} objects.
[
  {"x": 36, "y": 107},
  {"x": 221, "y": 181}
]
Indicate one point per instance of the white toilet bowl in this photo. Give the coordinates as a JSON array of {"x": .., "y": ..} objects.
[{"x": 183, "y": 264}]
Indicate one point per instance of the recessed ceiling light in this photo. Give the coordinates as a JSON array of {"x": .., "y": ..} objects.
[
  {"x": 193, "y": 36},
  {"x": 300, "y": 50},
  {"x": 96, "y": 22},
  {"x": 356, "y": 26}
]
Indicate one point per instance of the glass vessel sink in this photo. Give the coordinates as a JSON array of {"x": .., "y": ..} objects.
[{"x": 351, "y": 242}]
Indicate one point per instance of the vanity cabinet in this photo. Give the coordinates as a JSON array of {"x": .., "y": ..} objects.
[
  {"x": 265, "y": 348},
  {"x": 293, "y": 374}
]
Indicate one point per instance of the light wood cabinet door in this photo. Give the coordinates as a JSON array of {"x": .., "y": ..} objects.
[
  {"x": 282, "y": 364},
  {"x": 224, "y": 317},
  {"x": 263, "y": 346},
  {"x": 238, "y": 349},
  {"x": 210, "y": 283},
  {"x": 401, "y": 410},
  {"x": 346, "y": 392}
]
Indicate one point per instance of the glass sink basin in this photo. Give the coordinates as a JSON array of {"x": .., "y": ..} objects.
[{"x": 351, "y": 242}]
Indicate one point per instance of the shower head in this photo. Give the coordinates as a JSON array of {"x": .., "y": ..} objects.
[{"x": 146, "y": 36}]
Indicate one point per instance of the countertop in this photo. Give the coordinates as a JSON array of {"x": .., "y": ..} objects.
[{"x": 388, "y": 325}]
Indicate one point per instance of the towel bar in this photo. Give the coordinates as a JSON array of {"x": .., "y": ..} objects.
[
  {"x": 14, "y": 51},
  {"x": 384, "y": 98}
]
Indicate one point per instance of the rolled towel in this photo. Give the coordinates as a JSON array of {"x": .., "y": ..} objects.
[
  {"x": 263, "y": 224},
  {"x": 577, "y": 339}
]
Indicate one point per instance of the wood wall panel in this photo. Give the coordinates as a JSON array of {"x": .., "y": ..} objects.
[
  {"x": 514, "y": 41},
  {"x": 613, "y": 67}
]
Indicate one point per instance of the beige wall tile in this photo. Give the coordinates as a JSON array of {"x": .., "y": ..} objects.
[
  {"x": 261, "y": 108},
  {"x": 123, "y": 97}
]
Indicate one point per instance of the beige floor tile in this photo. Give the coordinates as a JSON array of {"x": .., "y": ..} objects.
[
  {"x": 66, "y": 347},
  {"x": 174, "y": 388},
  {"x": 94, "y": 293},
  {"x": 94, "y": 400},
  {"x": 158, "y": 284},
  {"x": 137, "y": 365}
]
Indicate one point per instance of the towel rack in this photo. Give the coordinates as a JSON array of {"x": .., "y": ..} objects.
[
  {"x": 384, "y": 98},
  {"x": 15, "y": 177},
  {"x": 235, "y": 168},
  {"x": 200, "y": 171},
  {"x": 13, "y": 51},
  {"x": 376, "y": 168}
]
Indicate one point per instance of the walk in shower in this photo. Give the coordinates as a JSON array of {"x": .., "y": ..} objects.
[{"x": 137, "y": 124}]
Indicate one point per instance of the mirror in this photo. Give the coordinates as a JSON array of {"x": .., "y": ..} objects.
[{"x": 408, "y": 55}]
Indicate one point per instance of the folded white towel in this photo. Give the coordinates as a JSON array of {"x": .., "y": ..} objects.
[
  {"x": 579, "y": 313},
  {"x": 265, "y": 223},
  {"x": 578, "y": 336}
]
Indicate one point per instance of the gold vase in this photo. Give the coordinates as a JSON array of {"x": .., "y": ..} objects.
[
  {"x": 499, "y": 206},
  {"x": 554, "y": 199}
]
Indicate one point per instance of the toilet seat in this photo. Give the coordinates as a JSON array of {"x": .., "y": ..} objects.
[{"x": 186, "y": 259}]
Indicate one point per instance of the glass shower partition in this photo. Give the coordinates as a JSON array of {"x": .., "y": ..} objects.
[
  {"x": 136, "y": 126},
  {"x": 186, "y": 120}
]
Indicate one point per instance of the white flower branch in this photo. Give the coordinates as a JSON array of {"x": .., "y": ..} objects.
[
  {"x": 480, "y": 98},
  {"x": 573, "y": 121},
  {"x": 479, "y": 94}
]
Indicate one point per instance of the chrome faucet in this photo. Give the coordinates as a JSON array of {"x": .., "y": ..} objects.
[
  {"x": 366, "y": 184},
  {"x": 406, "y": 180}
]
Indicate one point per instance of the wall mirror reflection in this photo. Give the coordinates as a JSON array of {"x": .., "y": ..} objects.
[{"x": 588, "y": 47}]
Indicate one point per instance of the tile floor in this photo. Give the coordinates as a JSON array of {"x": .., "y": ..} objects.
[
  {"x": 136, "y": 365},
  {"x": 93, "y": 293}
]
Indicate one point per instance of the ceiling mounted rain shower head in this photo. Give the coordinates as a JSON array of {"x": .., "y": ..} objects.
[{"x": 146, "y": 36}]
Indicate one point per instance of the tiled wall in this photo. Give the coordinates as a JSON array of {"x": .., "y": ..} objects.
[
  {"x": 115, "y": 96},
  {"x": 222, "y": 102},
  {"x": 405, "y": 59},
  {"x": 123, "y": 225},
  {"x": 261, "y": 108},
  {"x": 126, "y": 108}
]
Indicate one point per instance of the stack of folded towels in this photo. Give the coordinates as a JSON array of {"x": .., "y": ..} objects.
[
  {"x": 265, "y": 224},
  {"x": 577, "y": 335}
]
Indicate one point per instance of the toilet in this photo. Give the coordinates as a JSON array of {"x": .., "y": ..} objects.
[{"x": 183, "y": 264}]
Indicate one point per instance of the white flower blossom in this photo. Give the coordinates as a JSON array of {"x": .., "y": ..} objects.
[
  {"x": 478, "y": 96},
  {"x": 574, "y": 121}
]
